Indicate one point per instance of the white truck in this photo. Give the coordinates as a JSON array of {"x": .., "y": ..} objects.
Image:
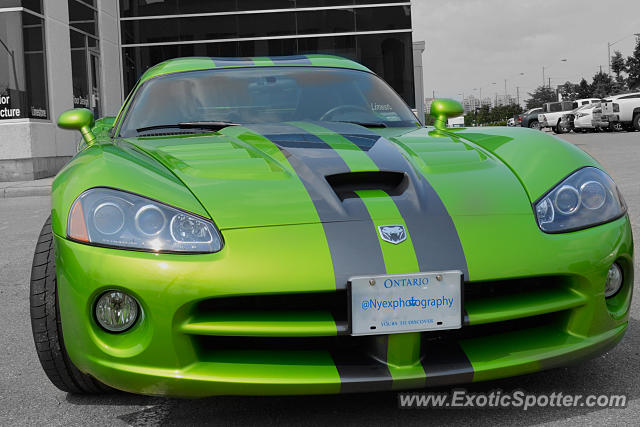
[
  {"x": 552, "y": 112},
  {"x": 622, "y": 111}
]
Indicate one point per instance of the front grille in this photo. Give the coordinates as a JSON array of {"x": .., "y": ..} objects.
[
  {"x": 319, "y": 317},
  {"x": 312, "y": 328},
  {"x": 332, "y": 302},
  {"x": 345, "y": 345}
]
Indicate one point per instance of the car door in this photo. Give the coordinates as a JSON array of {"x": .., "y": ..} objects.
[{"x": 628, "y": 104}]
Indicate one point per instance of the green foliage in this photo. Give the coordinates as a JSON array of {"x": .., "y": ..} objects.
[
  {"x": 633, "y": 68},
  {"x": 540, "y": 96}
]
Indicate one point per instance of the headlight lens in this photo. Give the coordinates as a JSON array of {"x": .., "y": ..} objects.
[
  {"x": 108, "y": 217},
  {"x": 586, "y": 198}
]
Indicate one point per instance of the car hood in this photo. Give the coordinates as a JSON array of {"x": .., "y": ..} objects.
[{"x": 297, "y": 173}]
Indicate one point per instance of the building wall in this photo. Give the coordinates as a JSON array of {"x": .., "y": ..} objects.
[
  {"x": 33, "y": 148},
  {"x": 376, "y": 33}
]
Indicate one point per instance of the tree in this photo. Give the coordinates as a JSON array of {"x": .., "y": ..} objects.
[
  {"x": 618, "y": 66},
  {"x": 602, "y": 85},
  {"x": 633, "y": 68},
  {"x": 584, "y": 89},
  {"x": 569, "y": 91},
  {"x": 540, "y": 96}
]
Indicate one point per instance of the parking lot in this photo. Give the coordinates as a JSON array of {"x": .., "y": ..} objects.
[{"x": 27, "y": 397}]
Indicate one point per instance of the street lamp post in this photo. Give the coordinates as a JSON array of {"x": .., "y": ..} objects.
[{"x": 546, "y": 67}]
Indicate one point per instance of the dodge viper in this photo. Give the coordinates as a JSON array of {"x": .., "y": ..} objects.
[{"x": 286, "y": 225}]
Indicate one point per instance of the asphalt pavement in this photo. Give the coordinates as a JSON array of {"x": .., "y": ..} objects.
[{"x": 27, "y": 397}]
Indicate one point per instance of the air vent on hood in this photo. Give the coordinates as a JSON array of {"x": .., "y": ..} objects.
[{"x": 345, "y": 184}]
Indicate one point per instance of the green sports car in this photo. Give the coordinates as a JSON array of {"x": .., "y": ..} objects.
[{"x": 285, "y": 225}]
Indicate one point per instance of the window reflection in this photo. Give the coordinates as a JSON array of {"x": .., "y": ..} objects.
[
  {"x": 23, "y": 83},
  {"x": 390, "y": 55}
]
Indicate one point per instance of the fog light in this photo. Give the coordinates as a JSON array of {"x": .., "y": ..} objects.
[
  {"x": 614, "y": 281},
  {"x": 116, "y": 311}
]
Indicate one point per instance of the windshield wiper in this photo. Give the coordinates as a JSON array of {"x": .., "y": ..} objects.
[
  {"x": 364, "y": 124},
  {"x": 213, "y": 125}
]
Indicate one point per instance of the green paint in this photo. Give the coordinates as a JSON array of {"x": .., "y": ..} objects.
[
  {"x": 487, "y": 179},
  {"x": 399, "y": 258},
  {"x": 403, "y": 351},
  {"x": 79, "y": 119},
  {"x": 444, "y": 109},
  {"x": 356, "y": 159},
  {"x": 262, "y": 324}
]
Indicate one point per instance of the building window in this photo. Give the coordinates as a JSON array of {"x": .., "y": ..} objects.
[
  {"x": 23, "y": 73},
  {"x": 372, "y": 32},
  {"x": 85, "y": 54}
]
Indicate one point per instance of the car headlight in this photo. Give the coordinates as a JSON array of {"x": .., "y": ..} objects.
[
  {"x": 586, "y": 198},
  {"x": 114, "y": 218}
]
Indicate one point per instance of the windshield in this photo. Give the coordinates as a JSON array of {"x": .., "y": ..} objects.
[{"x": 265, "y": 95}]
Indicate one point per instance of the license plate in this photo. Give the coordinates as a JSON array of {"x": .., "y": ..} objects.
[{"x": 389, "y": 304}]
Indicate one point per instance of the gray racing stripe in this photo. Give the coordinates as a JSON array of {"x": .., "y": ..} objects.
[
  {"x": 350, "y": 232},
  {"x": 433, "y": 234},
  {"x": 232, "y": 62},
  {"x": 445, "y": 363},
  {"x": 361, "y": 373},
  {"x": 290, "y": 60}
]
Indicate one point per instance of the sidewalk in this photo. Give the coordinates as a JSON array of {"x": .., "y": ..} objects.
[{"x": 40, "y": 187}]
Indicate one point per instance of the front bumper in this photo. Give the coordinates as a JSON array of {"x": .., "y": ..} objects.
[{"x": 204, "y": 331}]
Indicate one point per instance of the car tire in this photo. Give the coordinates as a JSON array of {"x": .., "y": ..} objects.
[
  {"x": 616, "y": 127},
  {"x": 46, "y": 325},
  {"x": 534, "y": 125},
  {"x": 636, "y": 122}
]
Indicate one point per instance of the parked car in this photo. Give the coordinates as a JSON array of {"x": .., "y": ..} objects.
[
  {"x": 622, "y": 111},
  {"x": 511, "y": 122},
  {"x": 252, "y": 226},
  {"x": 566, "y": 122},
  {"x": 589, "y": 118},
  {"x": 530, "y": 118},
  {"x": 553, "y": 112},
  {"x": 583, "y": 115},
  {"x": 518, "y": 119}
]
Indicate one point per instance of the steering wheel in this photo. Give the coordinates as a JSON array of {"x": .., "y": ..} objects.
[{"x": 347, "y": 107}]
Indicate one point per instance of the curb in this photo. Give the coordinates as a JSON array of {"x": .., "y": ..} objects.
[{"x": 11, "y": 192}]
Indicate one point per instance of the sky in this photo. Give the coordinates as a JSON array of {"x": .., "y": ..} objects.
[{"x": 471, "y": 44}]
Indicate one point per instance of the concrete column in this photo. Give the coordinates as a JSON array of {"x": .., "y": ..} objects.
[
  {"x": 418, "y": 50},
  {"x": 60, "y": 83},
  {"x": 110, "y": 57}
]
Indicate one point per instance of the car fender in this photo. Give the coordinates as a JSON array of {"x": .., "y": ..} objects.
[
  {"x": 116, "y": 165},
  {"x": 539, "y": 161}
]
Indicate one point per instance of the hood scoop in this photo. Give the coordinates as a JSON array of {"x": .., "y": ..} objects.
[{"x": 346, "y": 184}]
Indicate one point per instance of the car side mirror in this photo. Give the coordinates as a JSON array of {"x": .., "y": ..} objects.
[
  {"x": 78, "y": 119},
  {"x": 444, "y": 109}
]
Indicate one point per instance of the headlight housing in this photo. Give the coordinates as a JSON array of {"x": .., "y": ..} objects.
[
  {"x": 115, "y": 218},
  {"x": 587, "y": 198}
]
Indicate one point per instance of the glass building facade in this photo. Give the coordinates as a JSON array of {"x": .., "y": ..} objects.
[
  {"x": 374, "y": 33},
  {"x": 85, "y": 54},
  {"x": 23, "y": 65}
]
